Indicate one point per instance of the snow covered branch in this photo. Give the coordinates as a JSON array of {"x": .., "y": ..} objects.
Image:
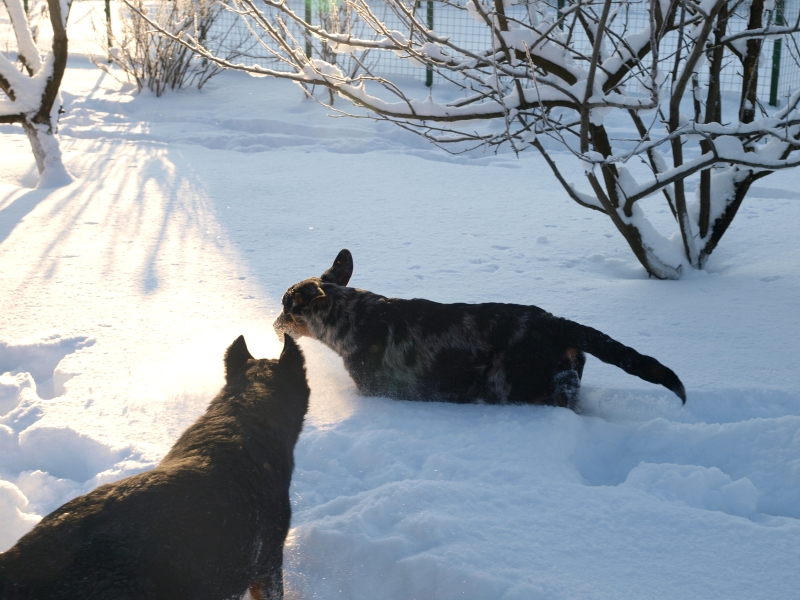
[{"x": 560, "y": 72}]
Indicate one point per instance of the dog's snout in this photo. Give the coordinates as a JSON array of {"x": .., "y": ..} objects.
[
  {"x": 280, "y": 326},
  {"x": 287, "y": 323}
]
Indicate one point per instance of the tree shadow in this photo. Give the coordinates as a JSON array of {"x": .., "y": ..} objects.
[
  {"x": 127, "y": 204},
  {"x": 13, "y": 214}
]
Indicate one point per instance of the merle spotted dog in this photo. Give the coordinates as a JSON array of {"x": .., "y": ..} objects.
[
  {"x": 422, "y": 350},
  {"x": 208, "y": 522}
]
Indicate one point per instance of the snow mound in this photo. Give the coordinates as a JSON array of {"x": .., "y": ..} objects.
[
  {"x": 426, "y": 500},
  {"x": 41, "y": 359},
  {"x": 11, "y": 387},
  {"x": 696, "y": 486},
  {"x": 764, "y": 451},
  {"x": 45, "y": 466},
  {"x": 408, "y": 497},
  {"x": 45, "y": 491},
  {"x": 14, "y": 523},
  {"x": 8, "y": 439},
  {"x": 65, "y": 453}
]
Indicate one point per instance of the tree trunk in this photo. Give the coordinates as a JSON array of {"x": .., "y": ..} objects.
[
  {"x": 47, "y": 152},
  {"x": 40, "y": 124}
]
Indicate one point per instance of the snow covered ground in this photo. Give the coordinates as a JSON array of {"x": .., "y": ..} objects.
[{"x": 191, "y": 214}]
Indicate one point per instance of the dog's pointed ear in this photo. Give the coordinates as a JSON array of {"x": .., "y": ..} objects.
[
  {"x": 342, "y": 269},
  {"x": 236, "y": 357},
  {"x": 292, "y": 361}
]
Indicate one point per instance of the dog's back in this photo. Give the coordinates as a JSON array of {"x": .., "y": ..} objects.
[
  {"x": 208, "y": 522},
  {"x": 493, "y": 352}
]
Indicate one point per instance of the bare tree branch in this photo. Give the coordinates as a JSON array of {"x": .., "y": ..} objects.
[{"x": 536, "y": 82}]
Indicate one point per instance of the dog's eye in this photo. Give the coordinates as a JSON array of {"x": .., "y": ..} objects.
[{"x": 287, "y": 301}]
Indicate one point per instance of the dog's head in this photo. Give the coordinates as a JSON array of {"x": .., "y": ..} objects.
[
  {"x": 311, "y": 297},
  {"x": 238, "y": 360},
  {"x": 257, "y": 378}
]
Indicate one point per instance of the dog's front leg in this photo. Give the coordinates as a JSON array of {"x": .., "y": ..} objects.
[{"x": 268, "y": 586}]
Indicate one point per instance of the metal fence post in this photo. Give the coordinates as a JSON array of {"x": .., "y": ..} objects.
[
  {"x": 776, "y": 57},
  {"x": 428, "y": 67},
  {"x": 308, "y": 35}
]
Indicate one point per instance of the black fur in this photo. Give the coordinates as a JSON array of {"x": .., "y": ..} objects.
[
  {"x": 423, "y": 350},
  {"x": 208, "y": 522}
]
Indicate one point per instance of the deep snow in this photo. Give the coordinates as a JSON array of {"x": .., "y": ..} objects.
[{"x": 191, "y": 214}]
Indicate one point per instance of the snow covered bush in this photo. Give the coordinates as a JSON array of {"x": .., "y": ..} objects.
[
  {"x": 30, "y": 94},
  {"x": 555, "y": 75},
  {"x": 155, "y": 61}
]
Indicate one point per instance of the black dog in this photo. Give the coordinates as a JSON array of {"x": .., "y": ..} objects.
[
  {"x": 423, "y": 350},
  {"x": 208, "y": 522}
]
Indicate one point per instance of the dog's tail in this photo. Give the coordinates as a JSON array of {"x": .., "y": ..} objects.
[{"x": 610, "y": 351}]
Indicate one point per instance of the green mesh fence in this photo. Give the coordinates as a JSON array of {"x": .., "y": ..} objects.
[
  {"x": 779, "y": 73},
  {"x": 450, "y": 18}
]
